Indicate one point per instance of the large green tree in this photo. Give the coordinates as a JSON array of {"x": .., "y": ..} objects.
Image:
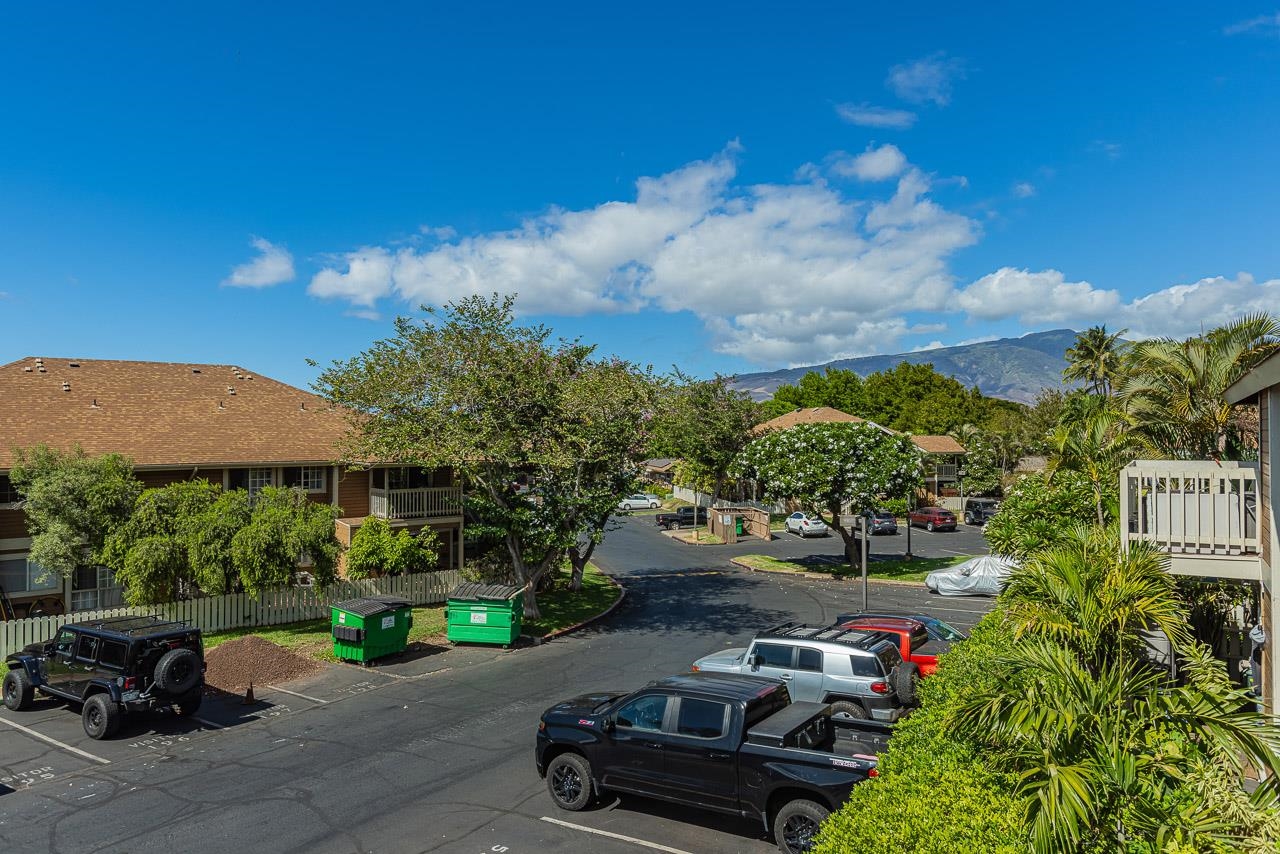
[
  {"x": 1097, "y": 359},
  {"x": 706, "y": 423},
  {"x": 72, "y": 501},
  {"x": 192, "y": 538},
  {"x": 835, "y": 387},
  {"x": 828, "y": 467},
  {"x": 466, "y": 387},
  {"x": 1174, "y": 394}
]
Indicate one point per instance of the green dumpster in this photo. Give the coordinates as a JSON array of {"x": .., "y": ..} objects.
[
  {"x": 371, "y": 627},
  {"x": 740, "y": 526},
  {"x": 485, "y": 613}
]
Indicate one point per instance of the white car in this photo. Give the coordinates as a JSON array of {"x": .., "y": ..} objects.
[
  {"x": 806, "y": 525},
  {"x": 979, "y": 576},
  {"x": 640, "y": 501}
]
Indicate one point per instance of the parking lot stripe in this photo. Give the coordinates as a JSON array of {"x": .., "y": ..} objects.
[
  {"x": 62, "y": 744},
  {"x": 209, "y": 724},
  {"x": 296, "y": 694},
  {"x": 655, "y": 846}
]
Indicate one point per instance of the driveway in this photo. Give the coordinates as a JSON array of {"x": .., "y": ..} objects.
[{"x": 442, "y": 761}]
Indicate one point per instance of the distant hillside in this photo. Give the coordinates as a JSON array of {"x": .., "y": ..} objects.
[{"x": 1010, "y": 368}]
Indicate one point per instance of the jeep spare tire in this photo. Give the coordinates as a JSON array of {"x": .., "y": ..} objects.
[
  {"x": 177, "y": 671},
  {"x": 905, "y": 678}
]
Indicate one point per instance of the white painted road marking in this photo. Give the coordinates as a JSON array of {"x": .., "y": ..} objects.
[
  {"x": 62, "y": 744},
  {"x": 209, "y": 724},
  {"x": 655, "y": 846},
  {"x": 296, "y": 694}
]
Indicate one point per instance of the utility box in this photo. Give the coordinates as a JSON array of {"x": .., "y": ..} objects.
[
  {"x": 485, "y": 613},
  {"x": 371, "y": 627}
]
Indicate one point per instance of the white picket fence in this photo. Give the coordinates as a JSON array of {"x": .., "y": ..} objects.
[{"x": 241, "y": 610}]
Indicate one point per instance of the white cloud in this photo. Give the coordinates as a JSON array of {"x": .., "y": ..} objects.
[
  {"x": 870, "y": 116},
  {"x": 1183, "y": 310},
  {"x": 273, "y": 266},
  {"x": 367, "y": 279},
  {"x": 1109, "y": 150},
  {"x": 926, "y": 80},
  {"x": 1046, "y": 297},
  {"x": 791, "y": 272},
  {"x": 874, "y": 164},
  {"x": 1267, "y": 25},
  {"x": 1035, "y": 299},
  {"x": 1024, "y": 190}
]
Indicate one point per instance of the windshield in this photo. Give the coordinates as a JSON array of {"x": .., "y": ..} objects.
[{"x": 942, "y": 630}]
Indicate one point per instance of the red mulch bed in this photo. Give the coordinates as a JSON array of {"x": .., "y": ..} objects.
[{"x": 232, "y": 665}]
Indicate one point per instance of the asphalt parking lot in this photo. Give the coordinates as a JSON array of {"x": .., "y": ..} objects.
[{"x": 435, "y": 755}]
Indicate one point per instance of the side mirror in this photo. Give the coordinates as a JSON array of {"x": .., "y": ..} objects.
[
  {"x": 608, "y": 725},
  {"x": 756, "y": 661}
]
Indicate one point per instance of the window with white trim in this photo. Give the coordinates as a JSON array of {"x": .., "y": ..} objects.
[
  {"x": 19, "y": 575},
  {"x": 306, "y": 478},
  {"x": 94, "y": 587},
  {"x": 8, "y": 492},
  {"x": 258, "y": 478}
]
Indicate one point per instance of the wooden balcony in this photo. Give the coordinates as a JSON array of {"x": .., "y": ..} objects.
[
  {"x": 423, "y": 503},
  {"x": 1203, "y": 514}
]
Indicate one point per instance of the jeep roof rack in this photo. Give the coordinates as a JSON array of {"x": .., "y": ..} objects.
[
  {"x": 133, "y": 626},
  {"x": 858, "y": 638}
]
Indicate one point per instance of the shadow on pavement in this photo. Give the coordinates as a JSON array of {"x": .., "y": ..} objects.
[
  {"x": 702, "y": 601},
  {"x": 642, "y": 806}
]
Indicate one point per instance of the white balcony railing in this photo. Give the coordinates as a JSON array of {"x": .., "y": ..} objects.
[
  {"x": 416, "y": 503},
  {"x": 1191, "y": 507}
]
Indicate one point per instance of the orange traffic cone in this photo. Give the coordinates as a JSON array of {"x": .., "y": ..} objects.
[{"x": 248, "y": 695}]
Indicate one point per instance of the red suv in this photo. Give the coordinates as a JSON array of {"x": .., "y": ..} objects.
[
  {"x": 932, "y": 519},
  {"x": 912, "y": 636}
]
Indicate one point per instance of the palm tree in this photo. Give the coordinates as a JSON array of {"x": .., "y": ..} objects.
[
  {"x": 1098, "y": 443},
  {"x": 1102, "y": 741},
  {"x": 1096, "y": 359},
  {"x": 1174, "y": 392}
]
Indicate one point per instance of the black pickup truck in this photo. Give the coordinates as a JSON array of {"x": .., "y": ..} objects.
[
  {"x": 683, "y": 516},
  {"x": 725, "y": 742}
]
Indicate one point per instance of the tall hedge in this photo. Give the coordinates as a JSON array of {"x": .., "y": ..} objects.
[{"x": 935, "y": 793}]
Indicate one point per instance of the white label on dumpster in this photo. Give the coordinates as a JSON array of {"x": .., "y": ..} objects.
[
  {"x": 342, "y": 617},
  {"x": 389, "y": 622},
  {"x": 478, "y": 617}
]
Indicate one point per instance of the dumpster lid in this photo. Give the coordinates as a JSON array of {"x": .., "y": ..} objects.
[
  {"x": 476, "y": 591},
  {"x": 368, "y": 605}
]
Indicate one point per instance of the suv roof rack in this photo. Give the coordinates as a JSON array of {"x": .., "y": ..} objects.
[
  {"x": 133, "y": 626},
  {"x": 858, "y": 638}
]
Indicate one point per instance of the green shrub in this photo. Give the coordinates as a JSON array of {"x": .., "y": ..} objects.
[
  {"x": 1037, "y": 512},
  {"x": 935, "y": 794},
  {"x": 896, "y": 506},
  {"x": 375, "y": 551}
]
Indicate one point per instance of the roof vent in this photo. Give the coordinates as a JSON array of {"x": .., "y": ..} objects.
[
  {"x": 73, "y": 364},
  {"x": 27, "y": 369},
  {"x": 39, "y": 361},
  {"x": 230, "y": 390},
  {"x": 66, "y": 386},
  {"x": 195, "y": 370},
  {"x": 42, "y": 370},
  {"x": 94, "y": 405},
  {"x": 220, "y": 406},
  {"x": 303, "y": 405}
]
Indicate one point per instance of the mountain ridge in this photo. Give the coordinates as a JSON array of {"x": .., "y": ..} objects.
[{"x": 1010, "y": 368}]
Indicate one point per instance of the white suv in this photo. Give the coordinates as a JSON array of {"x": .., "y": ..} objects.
[
  {"x": 860, "y": 673},
  {"x": 640, "y": 501}
]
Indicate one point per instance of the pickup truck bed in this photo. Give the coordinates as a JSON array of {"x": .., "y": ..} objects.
[{"x": 725, "y": 742}]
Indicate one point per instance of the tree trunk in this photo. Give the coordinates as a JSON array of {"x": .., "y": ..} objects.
[{"x": 578, "y": 560}]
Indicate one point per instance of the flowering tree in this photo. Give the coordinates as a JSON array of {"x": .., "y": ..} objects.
[{"x": 827, "y": 467}]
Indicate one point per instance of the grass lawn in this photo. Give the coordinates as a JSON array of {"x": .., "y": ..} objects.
[
  {"x": 700, "y": 536},
  {"x": 893, "y": 570},
  {"x": 562, "y": 608},
  {"x": 559, "y": 609}
]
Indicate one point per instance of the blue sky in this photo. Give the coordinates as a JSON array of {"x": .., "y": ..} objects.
[{"x": 720, "y": 186}]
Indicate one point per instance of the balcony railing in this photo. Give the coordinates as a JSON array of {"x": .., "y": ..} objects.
[
  {"x": 1188, "y": 508},
  {"x": 942, "y": 471},
  {"x": 416, "y": 503}
]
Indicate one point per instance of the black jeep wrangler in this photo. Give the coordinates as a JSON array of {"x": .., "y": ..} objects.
[{"x": 111, "y": 667}]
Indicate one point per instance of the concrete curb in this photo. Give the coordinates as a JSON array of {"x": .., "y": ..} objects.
[
  {"x": 826, "y": 576},
  {"x": 622, "y": 597}
]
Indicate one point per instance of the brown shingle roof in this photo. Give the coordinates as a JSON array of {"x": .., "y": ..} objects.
[
  {"x": 163, "y": 413},
  {"x": 812, "y": 415},
  {"x": 938, "y": 445}
]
